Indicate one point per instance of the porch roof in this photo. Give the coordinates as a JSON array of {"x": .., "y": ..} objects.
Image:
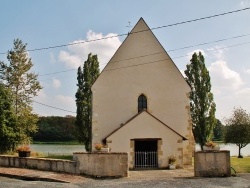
[{"x": 132, "y": 118}]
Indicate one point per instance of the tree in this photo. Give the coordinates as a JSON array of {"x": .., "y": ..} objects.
[
  {"x": 238, "y": 129},
  {"x": 23, "y": 85},
  {"x": 202, "y": 106},
  {"x": 85, "y": 78},
  {"x": 218, "y": 131},
  {"x": 55, "y": 129},
  {"x": 8, "y": 124}
]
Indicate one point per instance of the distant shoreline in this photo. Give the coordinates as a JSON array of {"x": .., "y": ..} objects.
[{"x": 73, "y": 142}]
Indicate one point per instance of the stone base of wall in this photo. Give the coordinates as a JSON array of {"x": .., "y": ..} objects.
[
  {"x": 212, "y": 164},
  {"x": 102, "y": 164},
  {"x": 55, "y": 165},
  {"x": 92, "y": 164}
]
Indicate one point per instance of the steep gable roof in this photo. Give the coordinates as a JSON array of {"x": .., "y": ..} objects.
[
  {"x": 134, "y": 117},
  {"x": 123, "y": 59}
]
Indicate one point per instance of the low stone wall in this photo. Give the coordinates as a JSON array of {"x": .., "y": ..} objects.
[
  {"x": 39, "y": 164},
  {"x": 102, "y": 164},
  {"x": 212, "y": 164},
  {"x": 92, "y": 164}
]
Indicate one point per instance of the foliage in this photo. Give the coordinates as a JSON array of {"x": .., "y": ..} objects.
[
  {"x": 8, "y": 123},
  {"x": 218, "y": 131},
  {"x": 238, "y": 129},
  {"x": 172, "y": 159},
  {"x": 23, "y": 148},
  {"x": 98, "y": 146},
  {"x": 23, "y": 85},
  {"x": 202, "y": 106},
  {"x": 55, "y": 129},
  {"x": 85, "y": 78},
  {"x": 210, "y": 144}
]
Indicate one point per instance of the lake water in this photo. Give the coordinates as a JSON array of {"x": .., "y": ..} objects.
[
  {"x": 50, "y": 149},
  {"x": 232, "y": 148}
]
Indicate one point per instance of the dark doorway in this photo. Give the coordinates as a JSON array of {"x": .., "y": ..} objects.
[{"x": 146, "y": 154}]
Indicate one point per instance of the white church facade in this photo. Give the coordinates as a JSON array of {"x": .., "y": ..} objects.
[{"x": 140, "y": 104}]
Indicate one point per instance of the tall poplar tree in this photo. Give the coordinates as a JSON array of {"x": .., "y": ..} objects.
[
  {"x": 202, "y": 106},
  {"x": 85, "y": 77},
  {"x": 23, "y": 86}
]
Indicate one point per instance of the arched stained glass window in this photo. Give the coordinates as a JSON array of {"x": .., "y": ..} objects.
[{"x": 142, "y": 103}]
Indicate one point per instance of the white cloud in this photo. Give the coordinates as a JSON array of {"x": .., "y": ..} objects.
[
  {"x": 248, "y": 71},
  {"x": 52, "y": 58},
  {"x": 41, "y": 94},
  {"x": 223, "y": 77},
  {"x": 56, "y": 83},
  {"x": 71, "y": 61},
  {"x": 217, "y": 52},
  {"x": 244, "y": 3},
  {"x": 77, "y": 54},
  {"x": 65, "y": 101}
]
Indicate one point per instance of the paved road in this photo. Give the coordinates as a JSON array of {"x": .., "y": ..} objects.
[{"x": 242, "y": 181}]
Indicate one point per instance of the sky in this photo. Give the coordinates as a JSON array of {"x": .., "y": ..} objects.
[{"x": 49, "y": 23}]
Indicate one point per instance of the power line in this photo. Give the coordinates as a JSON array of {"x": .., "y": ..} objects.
[
  {"x": 57, "y": 72},
  {"x": 205, "y": 43},
  {"x": 154, "y": 28},
  {"x": 53, "y": 107},
  {"x": 195, "y": 45},
  {"x": 175, "y": 57},
  {"x": 141, "y": 65}
]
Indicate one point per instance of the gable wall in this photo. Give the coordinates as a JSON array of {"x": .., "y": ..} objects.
[
  {"x": 117, "y": 89},
  {"x": 145, "y": 126}
]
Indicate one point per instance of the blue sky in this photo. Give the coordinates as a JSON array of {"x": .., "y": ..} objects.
[{"x": 55, "y": 22}]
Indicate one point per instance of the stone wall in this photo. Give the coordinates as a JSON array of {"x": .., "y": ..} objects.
[
  {"x": 102, "y": 164},
  {"x": 92, "y": 164},
  {"x": 212, "y": 164},
  {"x": 55, "y": 165}
]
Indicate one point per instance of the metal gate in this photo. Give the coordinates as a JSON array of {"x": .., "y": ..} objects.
[{"x": 146, "y": 159}]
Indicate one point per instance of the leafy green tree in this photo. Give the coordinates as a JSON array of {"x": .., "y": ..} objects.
[
  {"x": 202, "y": 106},
  {"x": 85, "y": 78},
  {"x": 218, "y": 131},
  {"x": 23, "y": 85},
  {"x": 8, "y": 124},
  {"x": 55, "y": 129},
  {"x": 238, "y": 129}
]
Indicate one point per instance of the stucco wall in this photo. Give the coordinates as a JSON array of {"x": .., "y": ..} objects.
[
  {"x": 212, "y": 164},
  {"x": 145, "y": 126},
  {"x": 124, "y": 79}
]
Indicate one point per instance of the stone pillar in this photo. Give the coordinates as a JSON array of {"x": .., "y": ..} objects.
[{"x": 212, "y": 164}]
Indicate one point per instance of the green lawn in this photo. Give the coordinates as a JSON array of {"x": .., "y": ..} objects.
[{"x": 241, "y": 165}]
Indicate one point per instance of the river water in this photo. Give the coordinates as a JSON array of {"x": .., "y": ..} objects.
[{"x": 50, "y": 149}]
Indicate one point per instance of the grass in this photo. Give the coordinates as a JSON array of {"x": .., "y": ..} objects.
[{"x": 241, "y": 165}]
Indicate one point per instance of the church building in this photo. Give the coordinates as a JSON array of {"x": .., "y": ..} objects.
[{"x": 141, "y": 104}]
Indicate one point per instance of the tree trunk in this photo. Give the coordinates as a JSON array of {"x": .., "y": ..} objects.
[
  {"x": 201, "y": 147},
  {"x": 239, "y": 155}
]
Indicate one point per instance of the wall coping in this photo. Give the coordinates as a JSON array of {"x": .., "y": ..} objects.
[
  {"x": 213, "y": 151},
  {"x": 101, "y": 153},
  {"x": 37, "y": 158}
]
